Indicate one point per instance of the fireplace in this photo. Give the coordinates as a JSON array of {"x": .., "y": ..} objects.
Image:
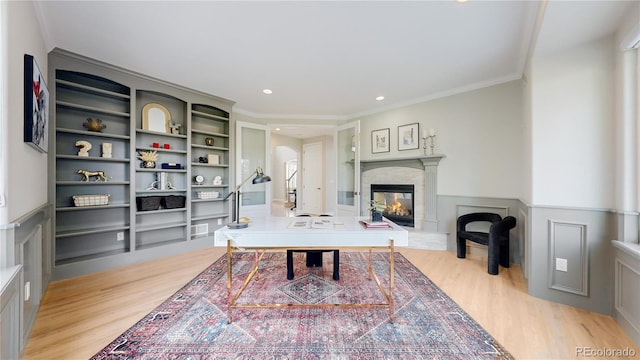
[
  {"x": 422, "y": 172},
  {"x": 399, "y": 199}
]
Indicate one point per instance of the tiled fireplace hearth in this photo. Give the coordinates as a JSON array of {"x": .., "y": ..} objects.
[{"x": 422, "y": 173}]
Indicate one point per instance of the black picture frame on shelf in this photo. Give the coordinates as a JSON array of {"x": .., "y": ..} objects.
[
  {"x": 36, "y": 106},
  {"x": 408, "y": 136},
  {"x": 380, "y": 141}
]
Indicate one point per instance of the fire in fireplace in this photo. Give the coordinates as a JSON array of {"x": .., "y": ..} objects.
[{"x": 399, "y": 201}]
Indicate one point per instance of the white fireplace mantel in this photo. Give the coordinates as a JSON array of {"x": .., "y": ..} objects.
[
  {"x": 428, "y": 163},
  {"x": 418, "y": 162}
]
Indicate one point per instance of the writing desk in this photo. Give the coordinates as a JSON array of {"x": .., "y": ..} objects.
[{"x": 286, "y": 233}]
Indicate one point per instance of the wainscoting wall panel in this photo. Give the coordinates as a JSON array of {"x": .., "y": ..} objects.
[
  {"x": 29, "y": 252},
  {"x": 568, "y": 257},
  {"x": 10, "y": 312},
  {"x": 583, "y": 238},
  {"x": 627, "y": 294},
  {"x": 23, "y": 277},
  {"x": 473, "y": 208},
  {"x": 626, "y": 263},
  {"x": 462, "y": 209},
  {"x": 522, "y": 239}
]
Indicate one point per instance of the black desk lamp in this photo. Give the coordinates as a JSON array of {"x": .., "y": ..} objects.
[{"x": 259, "y": 179}]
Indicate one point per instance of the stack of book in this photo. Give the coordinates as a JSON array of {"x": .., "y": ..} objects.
[
  {"x": 207, "y": 194},
  {"x": 374, "y": 225}
]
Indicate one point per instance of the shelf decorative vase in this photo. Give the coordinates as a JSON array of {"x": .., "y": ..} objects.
[
  {"x": 148, "y": 158},
  {"x": 376, "y": 216}
]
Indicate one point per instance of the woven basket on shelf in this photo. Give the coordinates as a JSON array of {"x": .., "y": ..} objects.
[{"x": 91, "y": 200}]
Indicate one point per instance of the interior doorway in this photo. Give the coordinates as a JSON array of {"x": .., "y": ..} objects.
[
  {"x": 287, "y": 144},
  {"x": 291, "y": 183},
  {"x": 313, "y": 175},
  {"x": 285, "y": 179}
]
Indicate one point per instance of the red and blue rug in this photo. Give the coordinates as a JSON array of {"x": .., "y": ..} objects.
[{"x": 192, "y": 324}]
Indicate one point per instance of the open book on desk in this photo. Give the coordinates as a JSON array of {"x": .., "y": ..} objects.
[
  {"x": 375, "y": 225},
  {"x": 321, "y": 223},
  {"x": 315, "y": 223},
  {"x": 299, "y": 224}
]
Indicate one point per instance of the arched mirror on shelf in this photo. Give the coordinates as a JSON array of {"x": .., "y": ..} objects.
[{"x": 156, "y": 117}]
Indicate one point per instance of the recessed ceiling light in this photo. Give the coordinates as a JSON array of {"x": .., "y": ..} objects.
[
  {"x": 380, "y": 98},
  {"x": 277, "y": 129},
  {"x": 267, "y": 91}
]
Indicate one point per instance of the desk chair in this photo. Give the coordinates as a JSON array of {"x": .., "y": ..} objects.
[{"x": 314, "y": 258}]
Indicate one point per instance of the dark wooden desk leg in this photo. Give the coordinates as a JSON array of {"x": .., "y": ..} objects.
[
  {"x": 289, "y": 265},
  {"x": 336, "y": 265}
]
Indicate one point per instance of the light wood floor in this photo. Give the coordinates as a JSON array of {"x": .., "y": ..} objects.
[{"x": 79, "y": 316}]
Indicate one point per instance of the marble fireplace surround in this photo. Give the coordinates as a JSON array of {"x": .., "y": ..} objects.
[{"x": 421, "y": 171}]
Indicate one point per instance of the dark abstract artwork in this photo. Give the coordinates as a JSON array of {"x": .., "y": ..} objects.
[{"x": 36, "y": 106}]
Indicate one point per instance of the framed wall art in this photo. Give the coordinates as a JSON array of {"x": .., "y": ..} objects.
[
  {"x": 36, "y": 106},
  {"x": 408, "y": 137},
  {"x": 380, "y": 140}
]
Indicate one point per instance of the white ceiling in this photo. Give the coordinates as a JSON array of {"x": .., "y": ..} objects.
[{"x": 323, "y": 60}]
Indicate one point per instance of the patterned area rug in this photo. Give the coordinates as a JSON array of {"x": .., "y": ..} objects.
[{"x": 192, "y": 324}]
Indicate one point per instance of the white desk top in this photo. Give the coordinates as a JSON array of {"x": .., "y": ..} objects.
[{"x": 291, "y": 232}]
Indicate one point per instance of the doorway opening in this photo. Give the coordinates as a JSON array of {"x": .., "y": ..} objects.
[
  {"x": 291, "y": 183},
  {"x": 288, "y": 143}
]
